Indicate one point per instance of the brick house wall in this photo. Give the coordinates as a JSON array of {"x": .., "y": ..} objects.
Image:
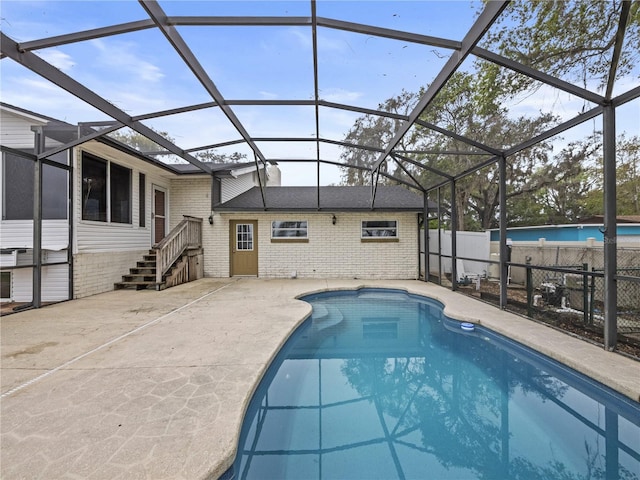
[{"x": 333, "y": 251}]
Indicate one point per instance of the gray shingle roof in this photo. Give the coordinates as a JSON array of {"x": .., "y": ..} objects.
[
  {"x": 215, "y": 167},
  {"x": 388, "y": 198}
]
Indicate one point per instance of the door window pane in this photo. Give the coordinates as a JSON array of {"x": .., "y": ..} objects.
[{"x": 244, "y": 236}]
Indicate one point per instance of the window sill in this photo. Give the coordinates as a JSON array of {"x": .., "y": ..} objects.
[
  {"x": 379, "y": 240},
  {"x": 289, "y": 240}
]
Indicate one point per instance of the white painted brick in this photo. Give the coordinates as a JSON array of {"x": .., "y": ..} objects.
[
  {"x": 333, "y": 251},
  {"x": 97, "y": 272}
]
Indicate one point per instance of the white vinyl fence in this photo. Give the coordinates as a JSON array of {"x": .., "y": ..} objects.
[{"x": 469, "y": 245}]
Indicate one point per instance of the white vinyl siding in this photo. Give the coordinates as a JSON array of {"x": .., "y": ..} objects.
[
  {"x": 16, "y": 130},
  {"x": 232, "y": 187},
  {"x": 55, "y": 284},
  {"x": 109, "y": 238},
  {"x": 19, "y": 234},
  {"x": 99, "y": 237}
]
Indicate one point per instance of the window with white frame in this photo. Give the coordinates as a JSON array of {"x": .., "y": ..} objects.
[
  {"x": 289, "y": 230},
  {"x": 379, "y": 229}
]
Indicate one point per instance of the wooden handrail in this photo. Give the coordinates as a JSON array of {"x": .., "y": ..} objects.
[{"x": 187, "y": 234}]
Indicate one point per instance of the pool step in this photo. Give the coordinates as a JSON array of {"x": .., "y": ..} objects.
[{"x": 326, "y": 316}]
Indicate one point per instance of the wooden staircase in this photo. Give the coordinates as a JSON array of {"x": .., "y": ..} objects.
[
  {"x": 176, "y": 259},
  {"x": 142, "y": 276}
]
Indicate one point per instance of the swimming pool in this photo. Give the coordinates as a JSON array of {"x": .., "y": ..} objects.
[{"x": 381, "y": 384}]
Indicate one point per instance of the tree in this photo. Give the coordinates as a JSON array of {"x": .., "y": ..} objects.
[
  {"x": 373, "y": 131},
  {"x": 144, "y": 145},
  {"x": 567, "y": 39},
  {"x": 627, "y": 179},
  {"x": 628, "y": 175},
  {"x": 460, "y": 109},
  {"x": 210, "y": 155},
  {"x": 138, "y": 141},
  {"x": 570, "y": 177}
]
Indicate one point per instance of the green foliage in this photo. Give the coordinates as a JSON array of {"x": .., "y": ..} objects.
[
  {"x": 138, "y": 141},
  {"x": 143, "y": 144},
  {"x": 213, "y": 157},
  {"x": 373, "y": 131},
  {"x": 627, "y": 179},
  {"x": 572, "y": 40},
  {"x": 567, "y": 179}
]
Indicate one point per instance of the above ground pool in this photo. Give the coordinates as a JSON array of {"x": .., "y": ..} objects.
[{"x": 379, "y": 384}]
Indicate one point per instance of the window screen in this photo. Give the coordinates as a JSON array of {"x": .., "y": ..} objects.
[
  {"x": 289, "y": 229},
  {"x": 142, "y": 199},
  {"x": 94, "y": 188},
  {"x": 380, "y": 228},
  {"x": 120, "y": 182},
  {"x": 18, "y": 178}
]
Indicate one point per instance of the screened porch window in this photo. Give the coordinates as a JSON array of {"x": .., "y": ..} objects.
[
  {"x": 18, "y": 184},
  {"x": 120, "y": 182},
  {"x": 99, "y": 177}
]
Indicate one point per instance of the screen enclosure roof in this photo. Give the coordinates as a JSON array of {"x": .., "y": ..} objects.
[{"x": 316, "y": 87}]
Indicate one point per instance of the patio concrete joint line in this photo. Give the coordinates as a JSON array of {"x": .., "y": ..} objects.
[{"x": 110, "y": 342}]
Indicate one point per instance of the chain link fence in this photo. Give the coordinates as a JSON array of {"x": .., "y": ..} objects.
[{"x": 564, "y": 286}]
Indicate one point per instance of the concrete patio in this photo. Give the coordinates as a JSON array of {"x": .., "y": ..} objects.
[{"x": 146, "y": 384}]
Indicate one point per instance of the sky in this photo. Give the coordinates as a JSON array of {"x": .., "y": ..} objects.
[{"x": 140, "y": 72}]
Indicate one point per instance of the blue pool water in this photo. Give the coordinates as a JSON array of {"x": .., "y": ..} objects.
[{"x": 379, "y": 384}]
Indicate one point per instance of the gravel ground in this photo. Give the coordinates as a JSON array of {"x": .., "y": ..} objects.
[{"x": 628, "y": 342}]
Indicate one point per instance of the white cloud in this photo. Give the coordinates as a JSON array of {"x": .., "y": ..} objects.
[
  {"x": 268, "y": 95},
  {"x": 121, "y": 55},
  {"x": 58, "y": 59},
  {"x": 339, "y": 95}
]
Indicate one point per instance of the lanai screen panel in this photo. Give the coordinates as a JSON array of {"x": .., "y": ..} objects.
[{"x": 342, "y": 60}]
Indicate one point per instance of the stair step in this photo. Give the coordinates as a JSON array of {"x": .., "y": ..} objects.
[
  {"x": 139, "y": 278},
  {"x": 142, "y": 270},
  {"x": 138, "y": 285},
  {"x": 143, "y": 275}
]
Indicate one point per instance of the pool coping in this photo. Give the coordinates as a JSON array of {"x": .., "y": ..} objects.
[{"x": 156, "y": 384}]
